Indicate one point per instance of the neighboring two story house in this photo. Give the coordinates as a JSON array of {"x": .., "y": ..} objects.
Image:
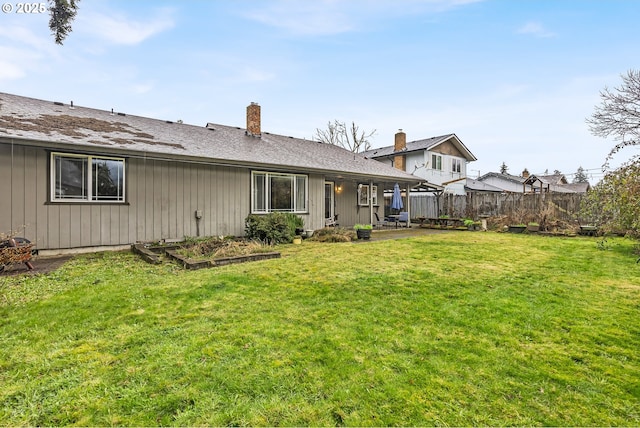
[{"x": 440, "y": 161}]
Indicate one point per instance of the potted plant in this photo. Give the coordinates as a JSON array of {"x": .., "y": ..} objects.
[
  {"x": 297, "y": 239},
  {"x": 469, "y": 224},
  {"x": 363, "y": 231},
  {"x": 533, "y": 226},
  {"x": 517, "y": 228}
]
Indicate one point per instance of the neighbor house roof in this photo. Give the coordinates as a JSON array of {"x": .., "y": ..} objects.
[
  {"x": 58, "y": 125},
  {"x": 479, "y": 186},
  {"x": 556, "y": 183},
  {"x": 501, "y": 176},
  {"x": 420, "y": 145}
]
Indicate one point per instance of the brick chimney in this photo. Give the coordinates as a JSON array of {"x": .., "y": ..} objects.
[
  {"x": 525, "y": 173},
  {"x": 400, "y": 159},
  {"x": 253, "y": 120}
]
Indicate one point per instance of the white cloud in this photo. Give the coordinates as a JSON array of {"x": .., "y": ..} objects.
[
  {"x": 142, "y": 88},
  {"x": 327, "y": 17},
  {"x": 22, "y": 50},
  {"x": 250, "y": 74},
  {"x": 304, "y": 18},
  {"x": 535, "y": 29},
  {"x": 122, "y": 30},
  {"x": 9, "y": 71}
]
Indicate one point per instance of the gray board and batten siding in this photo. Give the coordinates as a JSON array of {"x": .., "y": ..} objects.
[
  {"x": 162, "y": 197},
  {"x": 171, "y": 171}
]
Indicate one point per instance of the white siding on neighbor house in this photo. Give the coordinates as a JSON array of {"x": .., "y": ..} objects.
[
  {"x": 162, "y": 197},
  {"x": 446, "y": 174},
  {"x": 501, "y": 183}
]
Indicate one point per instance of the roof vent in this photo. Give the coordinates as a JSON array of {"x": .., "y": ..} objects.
[
  {"x": 58, "y": 103},
  {"x": 168, "y": 121},
  {"x": 112, "y": 113},
  {"x": 71, "y": 106},
  {"x": 121, "y": 114}
]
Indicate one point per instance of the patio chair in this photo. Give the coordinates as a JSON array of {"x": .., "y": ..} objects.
[
  {"x": 404, "y": 218},
  {"x": 331, "y": 222},
  {"x": 380, "y": 223}
]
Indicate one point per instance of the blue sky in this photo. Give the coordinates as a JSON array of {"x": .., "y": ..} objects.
[{"x": 514, "y": 79}]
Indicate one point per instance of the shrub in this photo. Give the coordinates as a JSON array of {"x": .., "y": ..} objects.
[
  {"x": 273, "y": 228},
  {"x": 215, "y": 247},
  {"x": 333, "y": 234}
]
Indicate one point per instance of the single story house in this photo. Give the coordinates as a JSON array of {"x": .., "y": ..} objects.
[
  {"x": 474, "y": 185},
  {"x": 527, "y": 183},
  {"x": 440, "y": 161},
  {"x": 505, "y": 182},
  {"x": 554, "y": 183},
  {"x": 77, "y": 177}
]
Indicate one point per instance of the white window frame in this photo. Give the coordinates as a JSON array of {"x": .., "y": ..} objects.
[
  {"x": 299, "y": 207},
  {"x": 436, "y": 162},
  {"x": 364, "y": 194},
  {"x": 88, "y": 197},
  {"x": 456, "y": 165}
]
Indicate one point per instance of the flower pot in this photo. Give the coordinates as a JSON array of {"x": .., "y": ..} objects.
[
  {"x": 533, "y": 228},
  {"x": 297, "y": 240},
  {"x": 363, "y": 233},
  {"x": 517, "y": 229}
]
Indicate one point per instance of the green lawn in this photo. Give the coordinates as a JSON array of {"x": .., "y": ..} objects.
[{"x": 458, "y": 328}]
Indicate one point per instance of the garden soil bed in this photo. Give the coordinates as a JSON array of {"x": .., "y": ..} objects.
[{"x": 154, "y": 254}]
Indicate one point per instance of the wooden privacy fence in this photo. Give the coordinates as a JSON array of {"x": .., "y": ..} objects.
[{"x": 561, "y": 206}]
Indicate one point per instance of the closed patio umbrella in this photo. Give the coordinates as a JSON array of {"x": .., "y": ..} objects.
[{"x": 396, "y": 200}]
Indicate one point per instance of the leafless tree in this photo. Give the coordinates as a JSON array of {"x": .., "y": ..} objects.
[
  {"x": 348, "y": 137},
  {"x": 618, "y": 115}
]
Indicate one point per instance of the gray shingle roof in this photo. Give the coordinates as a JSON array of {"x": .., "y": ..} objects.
[
  {"x": 480, "y": 186},
  {"x": 509, "y": 177},
  {"x": 419, "y": 145},
  {"x": 57, "y": 125}
]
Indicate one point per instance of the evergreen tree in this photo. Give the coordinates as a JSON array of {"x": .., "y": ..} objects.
[
  {"x": 581, "y": 176},
  {"x": 62, "y": 13}
]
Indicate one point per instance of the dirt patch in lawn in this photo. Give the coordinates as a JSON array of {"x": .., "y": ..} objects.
[{"x": 41, "y": 265}]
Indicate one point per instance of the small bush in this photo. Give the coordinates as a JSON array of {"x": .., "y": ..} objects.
[
  {"x": 333, "y": 234},
  {"x": 273, "y": 228},
  {"x": 212, "y": 248}
]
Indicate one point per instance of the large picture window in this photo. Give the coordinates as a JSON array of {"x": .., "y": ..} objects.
[
  {"x": 278, "y": 192},
  {"x": 81, "y": 178}
]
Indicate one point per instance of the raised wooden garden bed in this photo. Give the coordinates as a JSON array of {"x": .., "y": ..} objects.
[
  {"x": 154, "y": 254},
  {"x": 589, "y": 230},
  {"x": 190, "y": 263}
]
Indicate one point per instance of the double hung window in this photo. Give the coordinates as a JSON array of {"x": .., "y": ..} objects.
[
  {"x": 436, "y": 162},
  {"x": 456, "y": 165},
  {"x": 84, "y": 178}
]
